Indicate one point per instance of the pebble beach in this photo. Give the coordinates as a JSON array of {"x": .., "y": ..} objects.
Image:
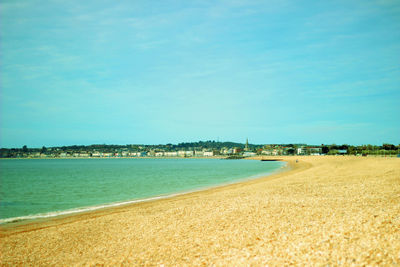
[{"x": 322, "y": 210}]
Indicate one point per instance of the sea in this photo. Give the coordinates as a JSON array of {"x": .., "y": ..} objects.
[{"x": 41, "y": 188}]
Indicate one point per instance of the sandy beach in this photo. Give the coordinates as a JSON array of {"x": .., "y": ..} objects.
[{"x": 324, "y": 210}]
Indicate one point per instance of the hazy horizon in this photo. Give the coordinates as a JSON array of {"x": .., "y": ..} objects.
[{"x": 106, "y": 72}]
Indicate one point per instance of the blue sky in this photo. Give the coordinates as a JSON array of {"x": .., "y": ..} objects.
[{"x": 151, "y": 72}]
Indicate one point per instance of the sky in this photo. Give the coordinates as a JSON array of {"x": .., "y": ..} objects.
[{"x": 157, "y": 72}]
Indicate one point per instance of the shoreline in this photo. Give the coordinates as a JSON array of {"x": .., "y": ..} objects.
[
  {"x": 324, "y": 211},
  {"x": 26, "y": 219},
  {"x": 14, "y": 223}
]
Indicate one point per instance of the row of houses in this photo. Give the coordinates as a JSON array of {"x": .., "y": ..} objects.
[
  {"x": 84, "y": 154},
  {"x": 272, "y": 150},
  {"x": 152, "y": 153},
  {"x": 277, "y": 151},
  {"x": 190, "y": 153}
]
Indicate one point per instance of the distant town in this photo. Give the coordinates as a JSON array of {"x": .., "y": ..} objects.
[{"x": 197, "y": 149}]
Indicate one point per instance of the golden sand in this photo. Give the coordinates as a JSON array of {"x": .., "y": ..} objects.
[{"x": 325, "y": 211}]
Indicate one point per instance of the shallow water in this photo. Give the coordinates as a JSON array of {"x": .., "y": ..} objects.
[{"x": 31, "y": 188}]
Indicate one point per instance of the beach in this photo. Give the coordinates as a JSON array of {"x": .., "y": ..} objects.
[{"x": 336, "y": 210}]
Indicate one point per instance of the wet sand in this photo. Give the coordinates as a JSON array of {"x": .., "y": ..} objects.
[{"x": 325, "y": 210}]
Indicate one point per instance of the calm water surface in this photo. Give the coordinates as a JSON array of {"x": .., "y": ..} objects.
[{"x": 32, "y": 187}]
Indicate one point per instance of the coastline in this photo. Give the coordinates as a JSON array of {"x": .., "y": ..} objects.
[
  {"x": 325, "y": 210},
  {"x": 30, "y": 222},
  {"x": 32, "y": 218}
]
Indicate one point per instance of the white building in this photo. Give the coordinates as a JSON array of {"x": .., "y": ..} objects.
[
  {"x": 171, "y": 154},
  {"x": 301, "y": 151},
  {"x": 249, "y": 154},
  {"x": 199, "y": 153},
  {"x": 266, "y": 152},
  {"x": 182, "y": 153}
]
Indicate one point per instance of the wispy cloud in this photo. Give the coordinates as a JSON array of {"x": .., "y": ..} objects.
[{"x": 266, "y": 67}]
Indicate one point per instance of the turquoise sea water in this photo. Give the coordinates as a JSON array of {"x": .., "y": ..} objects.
[{"x": 34, "y": 188}]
